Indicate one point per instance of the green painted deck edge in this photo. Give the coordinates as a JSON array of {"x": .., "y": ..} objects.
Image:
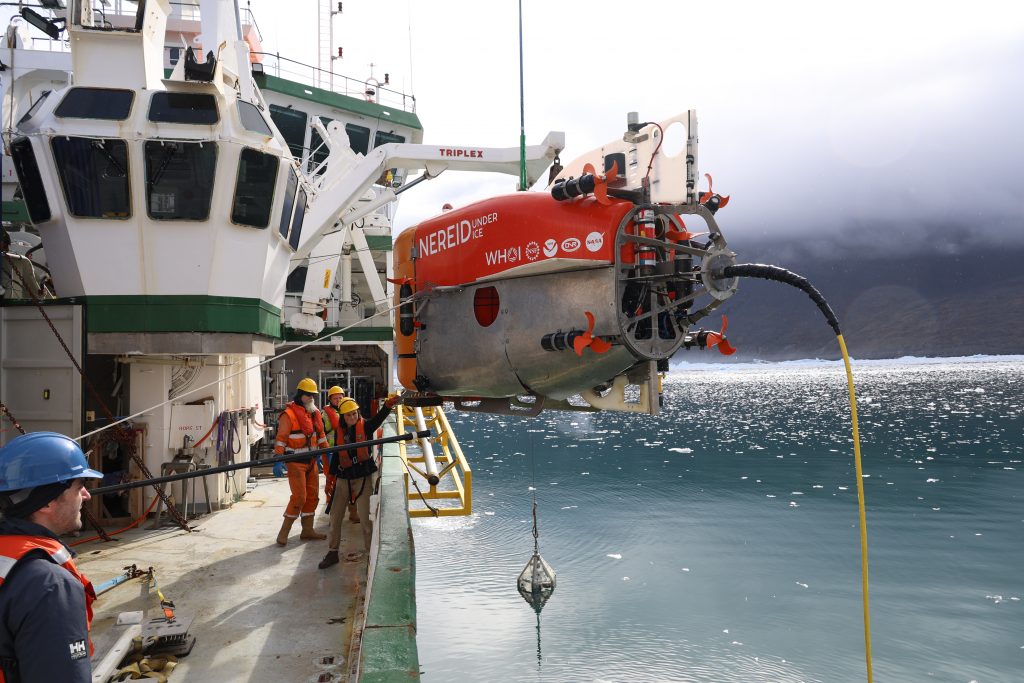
[
  {"x": 388, "y": 651},
  {"x": 333, "y": 99},
  {"x": 16, "y": 212},
  {"x": 182, "y": 313},
  {"x": 355, "y": 334},
  {"x": 377, "y": 242}
]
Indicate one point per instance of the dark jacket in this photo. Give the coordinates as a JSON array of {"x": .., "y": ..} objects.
[
  {"x": 42, "y": 617},
  {"x": 362, "y": 469}
]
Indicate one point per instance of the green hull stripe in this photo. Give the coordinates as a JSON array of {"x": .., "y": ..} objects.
[
  {"x": 354, "y": 334},
  {"x": 388, "y": 652},
  {"x": 182, "y": 314},
  {"x": 333, "y": 99}
]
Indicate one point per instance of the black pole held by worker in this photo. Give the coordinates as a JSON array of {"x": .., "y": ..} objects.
[{"x": 305, "y": 455}]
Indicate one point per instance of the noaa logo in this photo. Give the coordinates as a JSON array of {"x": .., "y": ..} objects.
[
  {"x": 550, "y": 248},
  {"x": 595, "y": 241},
  {"x": 570, "y": 244},
  {"x": 532, "y": 251}
]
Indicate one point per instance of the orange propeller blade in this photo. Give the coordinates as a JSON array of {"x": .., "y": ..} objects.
[
  {"x": 718, "y": 339},
  {"x": 707, "y": 195},
  {"x": 596, "y": 344}
]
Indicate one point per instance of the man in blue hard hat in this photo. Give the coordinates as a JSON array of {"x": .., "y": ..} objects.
[{"x": 45, "y": 602}]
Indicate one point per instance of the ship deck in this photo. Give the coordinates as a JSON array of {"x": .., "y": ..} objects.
[{"x": 262, "y": 613}]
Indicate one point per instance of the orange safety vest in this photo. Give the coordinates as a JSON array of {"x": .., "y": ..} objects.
[
  {"x": 303, "y": 425},
  {"x": 361, "y": 454},
  {"x": 14, "y": 548}
]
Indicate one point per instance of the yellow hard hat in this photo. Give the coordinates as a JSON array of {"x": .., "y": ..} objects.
[
  {"x": 334, "y": 391},
  {"x": 347, "y": 405},
  {"x": 307, "y": 385}
]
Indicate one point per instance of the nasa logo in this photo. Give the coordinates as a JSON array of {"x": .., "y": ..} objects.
[
  {"x": 570, "y": 244},
  {"x": 595, "y": 241},
  {"x": 550, "y": 248},
  {"x": 532, "y": 251}
]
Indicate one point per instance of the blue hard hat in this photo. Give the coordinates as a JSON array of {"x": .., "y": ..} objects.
[{"x": 42, "y": 458}]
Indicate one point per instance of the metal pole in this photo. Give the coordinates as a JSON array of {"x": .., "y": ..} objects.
[
  {"x": 522, "y": 109},
  {"x": 305, "y": 455},
  {"x": 425, "y": 446}
]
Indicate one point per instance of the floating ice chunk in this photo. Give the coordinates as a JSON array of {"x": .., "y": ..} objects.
[
  {"x": 614, "y": 556},
  {"x": 796, "y": 493},
  {"x": 736, "y": 642},
  {"x": 844, "y": 488},
  {"x": 931, "y": 481},
  {"x": 530, "y": 488},
  {"x": 625, "y": 578},
  {"x": 794, "y": 504},
  {"x": 681, "y": 450},
  {"x": 725, "y": 630},
  {"x": 769, "y": 495},
  {"x": 570, "y": 507},
  {"x": 489, "y": 513},
  {"x": 802, "y": 585},
  {"x": 686, "y": 569}
]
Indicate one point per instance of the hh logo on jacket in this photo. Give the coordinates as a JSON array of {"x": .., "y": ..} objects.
[{"x": 78, "y": 649}]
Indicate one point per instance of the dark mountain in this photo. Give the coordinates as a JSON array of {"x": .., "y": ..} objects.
[{"x": 929, "y": 304}]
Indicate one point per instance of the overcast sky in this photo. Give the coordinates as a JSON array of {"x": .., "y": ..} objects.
[{"x": 858, "y": 121}]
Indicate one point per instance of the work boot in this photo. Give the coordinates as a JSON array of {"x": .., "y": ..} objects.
[
  {"x": 308, "y": 533},
  {"x": 330, "y": 559},
  {"x": 353, "y": 514},
  {"x": 286, "y": 527}
]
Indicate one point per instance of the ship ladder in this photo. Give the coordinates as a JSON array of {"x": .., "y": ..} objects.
[{"x": 438, "y": 479}]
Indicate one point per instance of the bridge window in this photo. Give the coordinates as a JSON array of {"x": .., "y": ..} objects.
[
  {"x": 300, "y": 215},
  {"x": 254, "y": 190},
  {"x": 94, "y": 176},
  {"x": 252, "y": 119},
  {"x": 179, "y": 179},
  {"x": 292, "y": 124},
  {"x": 288, "y": 204},
  {"x": 31, "y": 182},
  {"x": 358, "y": 138},
  {"x": 96, "y": 103},
  {"x": 383, "y": 138},
  {"x": 198, "y": 109}
]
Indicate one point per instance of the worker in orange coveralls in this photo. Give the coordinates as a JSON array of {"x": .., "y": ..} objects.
[{"x": 300, "y": 428}]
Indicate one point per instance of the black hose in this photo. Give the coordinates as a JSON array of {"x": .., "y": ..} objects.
[{"x": 766, "y": 272}]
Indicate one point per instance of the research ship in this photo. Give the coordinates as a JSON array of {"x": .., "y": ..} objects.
[{"x": 197, "y": 225}]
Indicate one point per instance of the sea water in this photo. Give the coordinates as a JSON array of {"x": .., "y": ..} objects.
[{"x": 719, "y": 541}]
